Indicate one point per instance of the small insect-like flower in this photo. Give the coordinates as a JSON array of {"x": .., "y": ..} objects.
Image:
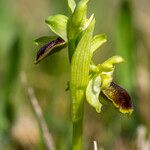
[{"x": 101, "y": 83}]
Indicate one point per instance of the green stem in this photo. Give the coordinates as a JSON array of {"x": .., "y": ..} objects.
[
  {"x": 77, "y": 134},
  {"x": 79, "y": 77}
]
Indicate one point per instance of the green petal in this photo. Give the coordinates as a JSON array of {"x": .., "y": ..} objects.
[
  {"x": 97, "y": 41},
  {"x": 92, "y": 93},
  {"x": 108, "y": 65},
  {"x": 58, "y": 25},
  {"x": 119, "y": 97},
  {"x": 71, "y": 5},
  {"x": 50, "y": 48},
  {"x": 93, "y": 68}
]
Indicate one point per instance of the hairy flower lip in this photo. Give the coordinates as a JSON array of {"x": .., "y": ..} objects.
[
  {"x": 119, "y": 97},
  {"x": 50, "y": 48}
]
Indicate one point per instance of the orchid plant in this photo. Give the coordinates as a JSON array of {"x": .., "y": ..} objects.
[{"x": 87, "y": 80}]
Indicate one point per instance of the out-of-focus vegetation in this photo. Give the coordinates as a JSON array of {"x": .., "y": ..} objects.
[{"x": 126, "y": 24}]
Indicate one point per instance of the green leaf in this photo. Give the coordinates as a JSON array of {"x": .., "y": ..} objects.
[
  {"x": 50, "y": 48},
  {"x": 92, "y": 93},
  {"x": 8, "y": 86},
  {"x": 44, "y": 39},
  {"x": 97, "y": 41},
  {"x": 13, "y": 64},
  {"x": 119, "y": 97},
  {"x": 58, "y": 25},
  {"x": 126, "y": 44},
  {"x": 72, "y": 5}
]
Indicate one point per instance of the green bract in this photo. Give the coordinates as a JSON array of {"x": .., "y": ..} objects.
[
  {"x": 80, "y": 70},
  {"x": 86, "y": 22},
  {"x": 75, "y": 26},
  {"x": 71, "y": 5},
  {"x": 79, "y": 14}
]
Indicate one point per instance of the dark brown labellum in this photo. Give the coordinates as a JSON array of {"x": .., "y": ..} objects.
[
  {"x": 119, "y": 97},
  {"x": 50, "y": 48}
]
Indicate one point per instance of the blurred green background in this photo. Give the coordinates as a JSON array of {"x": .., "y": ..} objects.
[{"x": 127, "y": 25}]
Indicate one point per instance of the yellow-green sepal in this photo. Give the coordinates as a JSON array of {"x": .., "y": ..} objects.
[{"x": 58, "y": 24}]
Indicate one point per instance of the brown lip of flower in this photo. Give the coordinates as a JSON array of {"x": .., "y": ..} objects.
[
  {"x": 119, "y": 97},
  {"x": 50, "y": 48}
]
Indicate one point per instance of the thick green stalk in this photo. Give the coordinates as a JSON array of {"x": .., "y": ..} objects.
[
  {"x": 79, "y": 77},
  {"x": 77, "y": 134}
]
